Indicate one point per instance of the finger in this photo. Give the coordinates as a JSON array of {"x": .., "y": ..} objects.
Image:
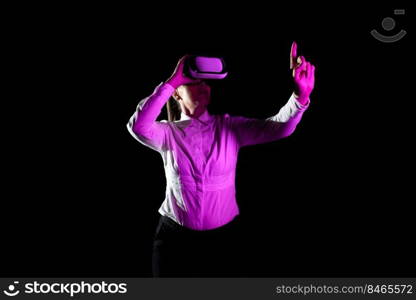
[
  {"x": 180, "y": 63},
  {"x": 299, "y": 70},
  {"x": 298, "y": 61},
  {"x": 293, "y": 54},
  {"x": 302, "y": 63},
  {"x": 312, "y": 73},
  {"x": 183, "y": 58},
  {"x": 296, "y": 67},
  {"x": 303, "y": 68},
  {"x": 296, "y": 73},
  {"x": 299, "y": 67},
  {"x": 308, "y": 69},
  {"x": 295, "y": 63}
]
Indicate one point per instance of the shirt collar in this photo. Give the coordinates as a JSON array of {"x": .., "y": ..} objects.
[{"x": 204, "y": 118}]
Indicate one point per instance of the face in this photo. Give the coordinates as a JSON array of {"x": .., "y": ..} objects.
[{"x": 193, "y": 98}]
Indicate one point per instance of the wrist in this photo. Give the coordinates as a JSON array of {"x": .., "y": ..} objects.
[{"x": 302, "y": 99}]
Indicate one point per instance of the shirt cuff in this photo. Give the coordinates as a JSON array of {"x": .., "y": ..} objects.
[{"x": 301, "y": 107}]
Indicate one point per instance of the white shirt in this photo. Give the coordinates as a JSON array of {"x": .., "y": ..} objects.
[{"x": 200, "y": 155}]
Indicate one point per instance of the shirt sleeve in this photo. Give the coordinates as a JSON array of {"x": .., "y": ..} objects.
[
  {"x": 143, "y": 125},
  {"x": 258, "y": 131}
]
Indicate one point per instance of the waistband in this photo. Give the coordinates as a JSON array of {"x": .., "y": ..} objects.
[{"x": 180, "y": 228}]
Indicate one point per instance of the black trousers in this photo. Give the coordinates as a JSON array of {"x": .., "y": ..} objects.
[{"x": 182, "y": 252}]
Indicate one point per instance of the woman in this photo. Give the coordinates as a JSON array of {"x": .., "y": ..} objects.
[{"x": 200, "y": 152}]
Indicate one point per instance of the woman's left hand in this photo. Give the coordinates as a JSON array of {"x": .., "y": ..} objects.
[{"x": 303, "y": 75}]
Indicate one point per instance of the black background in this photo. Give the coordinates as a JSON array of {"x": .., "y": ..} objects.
[{"x": 80, "y": 195}]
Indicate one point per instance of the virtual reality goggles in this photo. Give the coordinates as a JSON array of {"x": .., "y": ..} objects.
[{"x": 204, "y": 67}]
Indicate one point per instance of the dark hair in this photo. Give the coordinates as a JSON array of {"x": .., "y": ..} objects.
[{"x": 174, "y": 110}]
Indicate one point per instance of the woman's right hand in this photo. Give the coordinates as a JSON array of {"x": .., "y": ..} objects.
[{"x": 178, "y": 78}]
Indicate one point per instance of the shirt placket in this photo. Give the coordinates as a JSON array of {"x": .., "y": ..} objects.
[
  {"x": 199, "y": 160},
  {"x": 200, "y": 152}
]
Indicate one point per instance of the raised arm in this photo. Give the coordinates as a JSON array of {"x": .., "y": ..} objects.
[
  {"x": 142, "y": 124},
  {"x": 257, "y": 131}
]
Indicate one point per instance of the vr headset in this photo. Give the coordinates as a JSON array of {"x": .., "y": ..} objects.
[{"x": 204, "y": 67}]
